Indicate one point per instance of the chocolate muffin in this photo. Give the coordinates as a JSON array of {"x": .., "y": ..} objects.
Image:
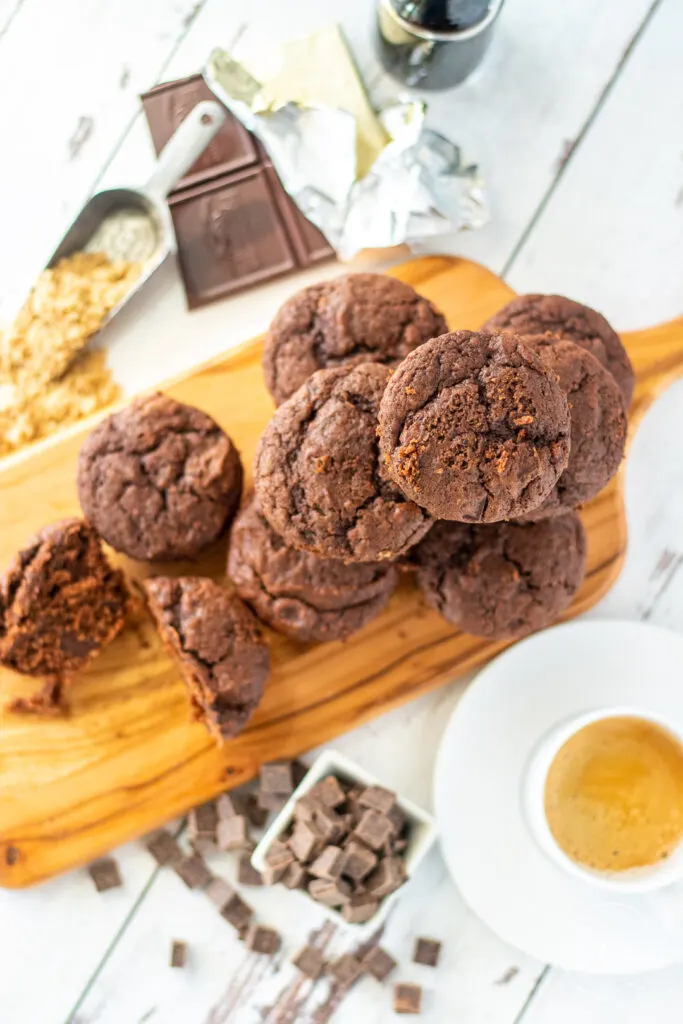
[
  {"x": 598, "y": 424},
  {"x": 357, "y": 318},
  {"x": 502, "y": 581},
  {"x": 307, "y": 598},
  {"x": 159, "y": 480},
  {"x": 218, "y": 646},
  {"x": 61, "y": 602},
  {"x": 319, "y": 479},
  {"x": 563, "y": 318},
  {"x": 474, "y": 428}
]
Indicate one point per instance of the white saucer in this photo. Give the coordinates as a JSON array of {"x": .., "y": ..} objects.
[{"x": 498, "y": 867}]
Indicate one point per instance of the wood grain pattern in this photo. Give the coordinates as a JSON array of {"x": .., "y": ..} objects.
[{"x": 128, "y": 758}]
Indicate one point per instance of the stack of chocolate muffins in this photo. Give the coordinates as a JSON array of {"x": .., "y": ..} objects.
[{"x": 395, "y": 445}]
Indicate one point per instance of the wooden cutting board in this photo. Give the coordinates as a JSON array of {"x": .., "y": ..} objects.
[{"x": 128, "y": 758}]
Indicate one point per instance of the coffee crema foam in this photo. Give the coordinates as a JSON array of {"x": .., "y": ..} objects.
[{"x": 614, "y": 794}]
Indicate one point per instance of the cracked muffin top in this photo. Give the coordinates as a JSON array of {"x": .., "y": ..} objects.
[
  {"x": 306, "y": 597},
  {"x": 474, "y": 428},
  {"x": 218, "y": 646},
  {"x": 318, "y": 476},
  {"x": 502, "y": 581},
  {"x": 159, "y": 480},
  {"x": 563, "y": 318},
  {"x": 598, "y": 418},
  {"x": 357, "y": 318}
]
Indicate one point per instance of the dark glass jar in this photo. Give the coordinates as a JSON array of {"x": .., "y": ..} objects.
[{"x": 434, "y": 44}]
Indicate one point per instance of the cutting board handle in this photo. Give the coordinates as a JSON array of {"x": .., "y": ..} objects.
[{"x": 657, "y": 356}]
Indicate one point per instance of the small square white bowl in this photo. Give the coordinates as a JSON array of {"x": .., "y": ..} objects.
[{"x": 422, "y": 833}]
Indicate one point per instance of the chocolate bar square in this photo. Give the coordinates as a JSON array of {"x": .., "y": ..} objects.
[
  {"x": 310, "y": 962},
  {"x": 219, "y": 892},
  {"x": 328, "y": 863},
  {"x": 278, "y": 854},
  {"x": 295, "y": 876},
  {"x": 105, "y": 874},
  {"x": 257, "y": 816},
  {"x": 276, "y": 777},
  {"x": 247, "y": 873},
  {"x": 306, "y": 840},
  {"x": 388, "y": 876},
  {"x": 358, "y": 861},
  {"x": 407, "y": 998},
  {"x": 427, "y": 952},
  {"x": 233, "y": 833},
  {"x": 333, "y": 893},
  {"x": 228, "y": 805},
  {"x": 178, "y": 954},
  {"x": 262, "y": 940},
  {"x": 378, "y": 799},
  {"x": 164, "y": 848},
  {"x": 193, "y": 871},
  {"x": 346, "y": 969},
  {"x": 328, "y": 791},
  {"x": 378, "y": 963},
  {"x": 361, "y": 907},
  {"x": 236, "y": 912},
  {"x": 373, "y": 829}
]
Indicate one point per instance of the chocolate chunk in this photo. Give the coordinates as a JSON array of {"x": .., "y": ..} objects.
[
  {"x": 105, "y": 874},
  {"x": 279, "y": 854},
  {"x": 328, "y": 791},
  {"x": 233, "y": 833},
  {"x": 299, "y": 772},
  {"x": 306, "y": 840},
  {"x": 305, "y": 808},
  {"x": 377, "y": 799},
  {"x": 271, "y": 876},
  {"x": 310, "y": 962},
  {"x": 399, "y": 845},
  {"x": 193, "y": 871},
  {"x": 262, "y": 940},
  {"x": 328, "y": 863},
  {"x": 397, "y": 819},
  {"x": 164, "y": 848},
  {"x": 378, "y": 963},
  {"x": 427, "y": 952},
  {"x": 331, "y": 893},
  {"x": 407, "y": 998},
  {"x": 219, "y": 892},
  {"x": 236, "y": 912},
  {"x": 346, "y": 969},
  {"x": 358, "y": 861},
  {"x": 388, "y": 876},
  {"x": 373, "y": 829},
  {"x": 178, "y": 954},
  {"x": 256, "y": 815},
  {"x": 276, "y": 777},
  {"x": 247, "y": 873},
  {"x": 361, "y": 907},
  {"x": 271, "y": 801},
  {"x": 202, "y": 824},
  {"x": 228, "y": 805},
  {"x": 295, "y": 876},
  {"x": 330, "y": 824}
]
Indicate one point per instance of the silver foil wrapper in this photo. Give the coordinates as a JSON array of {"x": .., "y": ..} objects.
[{"x": 417, "y": 189}]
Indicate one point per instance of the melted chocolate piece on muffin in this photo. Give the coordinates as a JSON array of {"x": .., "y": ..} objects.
[
  {"x": 474, "y": 428},
  {"x": 306, "y": 597},
  {"x": 502, "y": 581},
  {"x": 319, "y": 478},
  {"x": 61, "y": 602},
  {"x": 159, "y": 480},
  {"x": 218, "y": 646},
  {"x": 357, "y": 318}
]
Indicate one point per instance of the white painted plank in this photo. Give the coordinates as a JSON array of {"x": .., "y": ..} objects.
[
  {"x": 70, "y": 74},
  {"x": 641, "y": 999},
  {"x": 465, "y": 987},
  {"x": 612, "y": 234}
]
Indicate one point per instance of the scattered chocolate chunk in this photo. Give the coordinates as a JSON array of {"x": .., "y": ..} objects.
[
  {"x": 271, "y": 876},
  {"x": 328, "y": 863},
  {"x": 305, "y": 841},
  {"x": 276, "y": 778},
  {"x": 377, "y": 798},
  {"x": 271, "y": 801},
  {"x": 279, "y": 855},
  {"x": 233, "y": 833},
  {"x": 295, "y": 876},
  {"x": 310, "y": 962},
  {"x": 228, "y": 806},
  {"x": 333, "y": 893},
  {"x": 387, "y": 877},
  {"x": 193, "y": 871},
  {"x": 219, "y": 892},
  {"x": 407, "y": 998},
  {"x": 236, "y": 912},
  {"x": 361, "y": 907},
  {"x": 256, "y": 815},
  {"x": 328, "y": 791},
  {"x": 262, "y": 940},
  {"x": 105, "y": 874},
  {"x": 346, "y": 969},
  {"x": 164, "y": 848},
  {"x": 247, "y": 873},
  {"x": 427, "y": 952},
  {"x": 305, "y": 808},
  {"x": 202, "y": 823},
  {"x": 330, "y": 823},
  {"x": 178, "y": 954},
  {"x": 358, "y": 861},
  {"x": 378, "y": 963},
  {"x": 373, "y": 829}
]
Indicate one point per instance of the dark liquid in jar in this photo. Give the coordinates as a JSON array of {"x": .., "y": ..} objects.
[{"x": 443, "y": 15}]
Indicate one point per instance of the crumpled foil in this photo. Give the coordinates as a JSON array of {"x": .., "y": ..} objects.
[{"x": 418, "y": 188}]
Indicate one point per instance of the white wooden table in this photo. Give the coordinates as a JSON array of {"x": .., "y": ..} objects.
[{"x": 576, "y": 120}]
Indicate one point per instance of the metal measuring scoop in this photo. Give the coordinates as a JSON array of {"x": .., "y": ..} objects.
[{"x": 146, "y": 232}]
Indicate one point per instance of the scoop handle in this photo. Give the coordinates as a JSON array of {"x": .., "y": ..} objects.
[{"x": 187, "y": 143}]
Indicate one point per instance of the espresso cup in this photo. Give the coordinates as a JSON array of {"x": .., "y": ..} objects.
[{"x": 640, "y": 879}]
